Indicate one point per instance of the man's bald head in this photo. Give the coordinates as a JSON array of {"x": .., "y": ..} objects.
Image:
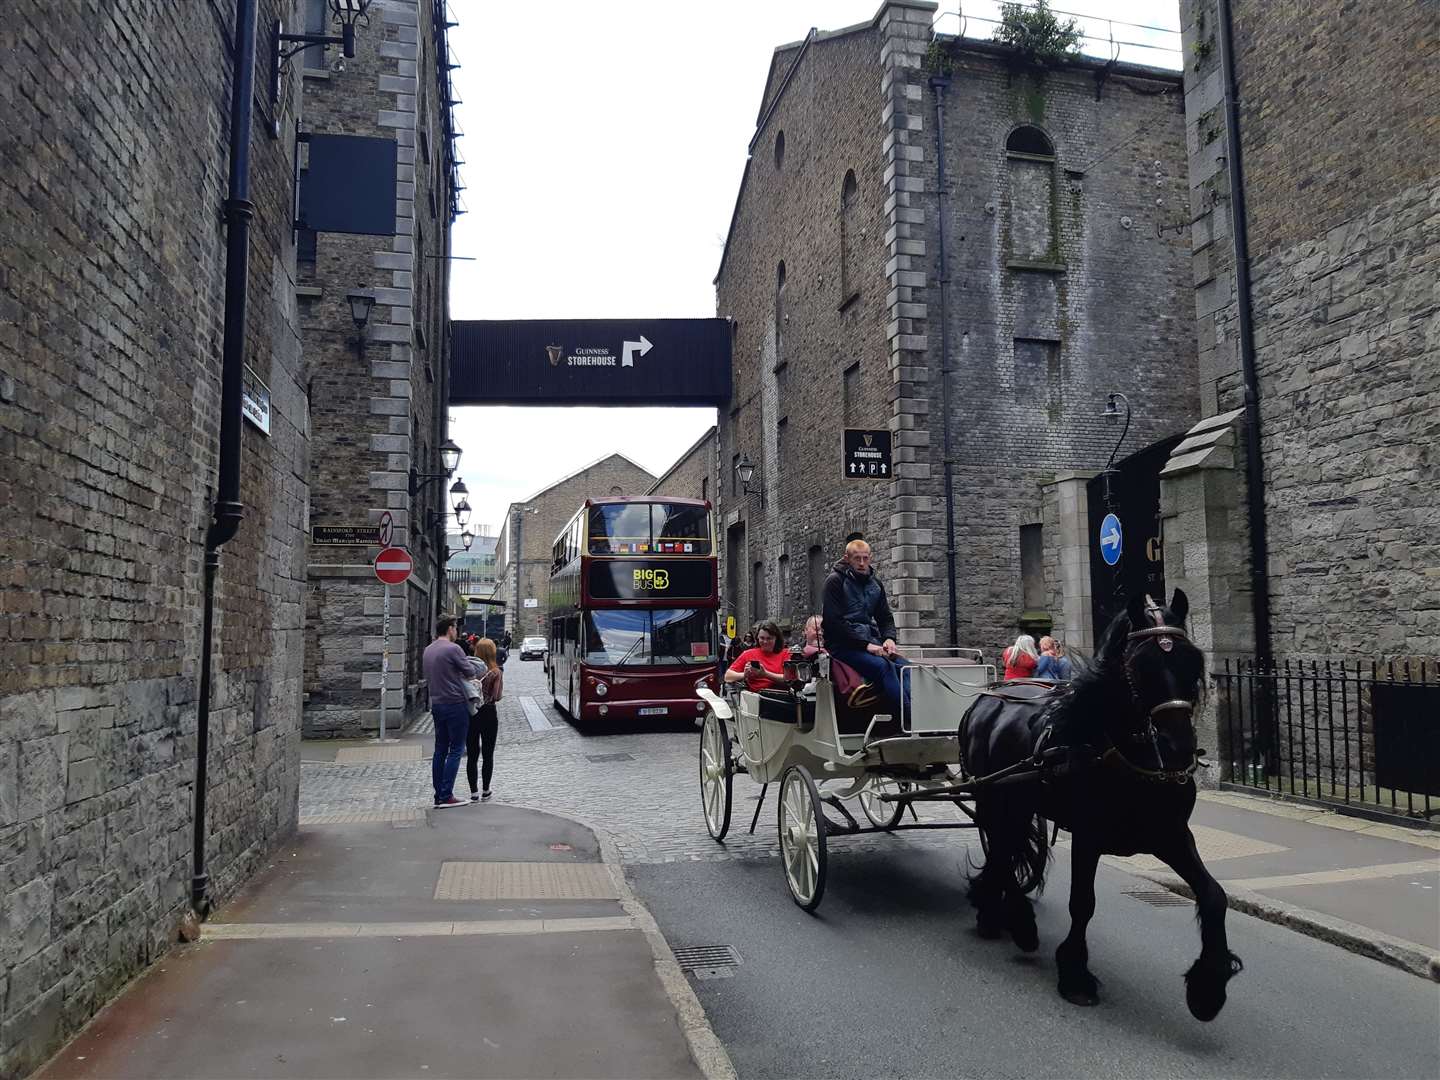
[{"x": 857, "y": 555}]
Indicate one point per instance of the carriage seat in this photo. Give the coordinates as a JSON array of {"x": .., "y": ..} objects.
[{"x": 786, "y": 707}]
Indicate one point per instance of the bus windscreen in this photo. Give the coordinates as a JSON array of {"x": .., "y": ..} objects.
[
  {"x": 649, "y": 529},
  {"x": 628, "y": 636}
]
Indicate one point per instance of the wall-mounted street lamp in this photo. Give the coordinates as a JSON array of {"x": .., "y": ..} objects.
[
  {"x": 449, "y": 462},
  {"x": 1111, "y": 414},
  {"x": 360, "y": 305},
  {"x": 745, "y": 469},
  {"x": 466, "y": 539},
  {"x": 459, "y": 506},
  {"x": 345, "y": 13}
]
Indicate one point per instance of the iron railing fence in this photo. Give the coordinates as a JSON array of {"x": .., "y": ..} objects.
[{"x": 1362, "y": 734}]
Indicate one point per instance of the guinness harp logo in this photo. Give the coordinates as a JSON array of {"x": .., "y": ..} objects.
[
  {"x": 869, "y": 439},
  {"x": 555, "y": 352}
]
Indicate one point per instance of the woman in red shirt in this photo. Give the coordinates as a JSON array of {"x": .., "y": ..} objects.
[
  {"x": 1020, "y": 659},
  {"x": 764, "y": 665}
]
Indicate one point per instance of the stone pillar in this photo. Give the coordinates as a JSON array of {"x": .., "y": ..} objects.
[
  {"x": 1066, "y": 520},
  {"x": 911, "y": 580},
  {"x": 1207, "y": 554}
]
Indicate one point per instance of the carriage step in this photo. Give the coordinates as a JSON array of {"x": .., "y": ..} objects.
[
  {"x": 1158, "y": 897},
  {"x": 708, "y": 961}
]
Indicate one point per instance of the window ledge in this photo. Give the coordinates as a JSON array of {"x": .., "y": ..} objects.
[
  {"x": 1037, "y": 265},
  {"x": 315, "y": 73},
  {"x": 309, "y": 292}
]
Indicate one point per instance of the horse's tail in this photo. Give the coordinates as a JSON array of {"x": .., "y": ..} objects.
[
  {"x": 1032, "y": 859},
  {"x": 1028, "y": 855}
]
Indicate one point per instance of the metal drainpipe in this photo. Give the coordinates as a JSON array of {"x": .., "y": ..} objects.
[
  {"x": 228, "y": 510},
  {"x": 1254, "y": 463},
  {"x": 938, "y": 85}
]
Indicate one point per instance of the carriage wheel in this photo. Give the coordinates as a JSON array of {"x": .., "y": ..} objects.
[
  {"x": 883, "y": 815},
  {"x": 802, "y": 837},
  {"x": 717, "y": 775},
  {"x": 1030, "y": 879}
]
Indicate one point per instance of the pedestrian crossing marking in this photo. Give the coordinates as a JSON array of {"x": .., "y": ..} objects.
[
  {"x": 525, "y": 881},
  {"x": 364, "y": 755},
  {"x": 1337, "y": 877},
  {"x": 220, "y": 931}
]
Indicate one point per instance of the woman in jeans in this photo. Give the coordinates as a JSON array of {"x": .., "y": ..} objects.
[{"x": 485, "y": 724}]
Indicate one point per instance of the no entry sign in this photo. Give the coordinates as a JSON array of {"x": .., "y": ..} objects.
[{"x": 393, "y": 566}]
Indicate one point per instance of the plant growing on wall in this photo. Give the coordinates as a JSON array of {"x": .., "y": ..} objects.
[
  {"x": 938, "y": 60},
  {"x": 1037, "y": 37}
]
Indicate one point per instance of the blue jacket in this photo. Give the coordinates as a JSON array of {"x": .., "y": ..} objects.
[{"x": 854, "y": 610}]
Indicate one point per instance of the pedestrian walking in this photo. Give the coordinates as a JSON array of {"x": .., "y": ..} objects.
[
  {"x": 446, "y": 672},
  {"x": 1020, "y": 659},
  {"x": 485, "y": 724}
]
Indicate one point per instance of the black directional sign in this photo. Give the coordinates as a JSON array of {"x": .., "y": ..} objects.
[
  {"x": 590, "y": 362},
  {"x": 867, "y": 455}
]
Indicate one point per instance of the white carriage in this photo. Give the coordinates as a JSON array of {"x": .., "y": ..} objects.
[{"x": 824, "y": 748}]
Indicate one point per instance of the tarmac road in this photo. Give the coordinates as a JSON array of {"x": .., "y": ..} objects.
[{"x": 891, "y": 980}]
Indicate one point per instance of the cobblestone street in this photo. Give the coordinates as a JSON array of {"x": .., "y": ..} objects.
[{"x": 644, "y": 792}]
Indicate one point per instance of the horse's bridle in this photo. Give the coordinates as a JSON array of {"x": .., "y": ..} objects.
[{"x": 1165, "y": 636}]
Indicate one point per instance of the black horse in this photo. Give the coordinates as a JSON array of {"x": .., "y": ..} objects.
[{"x": 1110, "y": 757}]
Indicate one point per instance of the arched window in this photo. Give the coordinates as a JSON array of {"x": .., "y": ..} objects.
[
  {"x": 849, "y": 237},
  {"x": 780, "y": 149},
  {"x": 1030, "y": 140},
  {"x": 1030, "y": 209},
  {"x": 780, "y": 313}
]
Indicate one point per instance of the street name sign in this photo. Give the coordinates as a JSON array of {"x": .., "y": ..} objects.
[
  {"x": 344, "y": 535},
  {"x": 393, "y": 566},
  {"x": 1112, "y": 540},
  {"x": 866, "y": 454}
]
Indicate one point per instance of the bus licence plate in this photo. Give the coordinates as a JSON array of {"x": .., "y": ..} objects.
[{"x": 655, "y": 710}]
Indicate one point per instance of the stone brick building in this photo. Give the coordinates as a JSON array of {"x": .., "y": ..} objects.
[
  {"x": 693, "y": 476},
  {"x": 1056, "y": 287},
  {"x": 1340, "y": 173},
  {"x": 376, "y": 416},
  {"x": 528, "y": 534},
  {"x": 114, "y": 149}
]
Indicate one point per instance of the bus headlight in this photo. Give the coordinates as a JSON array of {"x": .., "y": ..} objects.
[{"x": 601, "y": 689}]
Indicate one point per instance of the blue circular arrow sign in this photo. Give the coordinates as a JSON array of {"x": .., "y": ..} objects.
[{"x": 1111, "y": 540}]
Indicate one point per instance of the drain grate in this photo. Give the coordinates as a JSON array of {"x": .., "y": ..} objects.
[
  {"x": 1158, "y": 897},
  {"x": 708, "y": 961},
  {"x": 602, "y": 758}
]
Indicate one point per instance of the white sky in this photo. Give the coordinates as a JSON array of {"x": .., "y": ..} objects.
[{"x": 604, "y": 143}]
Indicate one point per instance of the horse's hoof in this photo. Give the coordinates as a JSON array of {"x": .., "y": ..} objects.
[
  {"x": 1204, "y": 1003},
  {"x": 989, "y": 928},
  {"x": 1079, "y": 996},
  {"x": 1026, "y": 938}
]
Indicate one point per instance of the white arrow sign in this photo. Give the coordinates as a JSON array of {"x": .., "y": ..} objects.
[
  {"x": 1110, "y": 539},
  {"x": 627, "y": 351}
]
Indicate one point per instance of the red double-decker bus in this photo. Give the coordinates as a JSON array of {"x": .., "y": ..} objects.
[{"x": 633, "y": 599}]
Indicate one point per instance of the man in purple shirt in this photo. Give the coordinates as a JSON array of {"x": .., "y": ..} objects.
[{"x": 446, "y": 671}]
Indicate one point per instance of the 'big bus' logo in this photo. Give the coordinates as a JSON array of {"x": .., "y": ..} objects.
[{"x": 652, "y": 580}]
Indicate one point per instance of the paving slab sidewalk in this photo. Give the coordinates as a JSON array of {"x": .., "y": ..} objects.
[
  {"x": 479, "y": 941},
  {"x": 1369, "y": 887}
]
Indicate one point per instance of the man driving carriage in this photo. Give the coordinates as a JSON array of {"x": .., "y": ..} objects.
[{"x": 858, "y": 626}]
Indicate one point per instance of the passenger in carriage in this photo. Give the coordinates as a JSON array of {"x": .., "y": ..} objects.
[
  {"x": 858, "y": 628},
  {"x": 762, "y": 667},
  {"x": 814, "y": 643}
]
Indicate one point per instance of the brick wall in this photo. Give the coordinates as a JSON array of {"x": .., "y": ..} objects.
[
  {"x": 113, "y": 157},
  {"x": 1342, "y": 177},
  {"x": 693, "y": 476},
  {"x": 529, "y": 532},
  {"x": 1060, "y": 290},
  {"x": 373, "y": 416}
]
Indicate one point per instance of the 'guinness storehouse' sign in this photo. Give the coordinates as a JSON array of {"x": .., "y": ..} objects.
[{"x": 590, "y": 362}]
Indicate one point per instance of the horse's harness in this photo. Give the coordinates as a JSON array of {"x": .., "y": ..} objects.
[{"x": 1045, "y": 757}]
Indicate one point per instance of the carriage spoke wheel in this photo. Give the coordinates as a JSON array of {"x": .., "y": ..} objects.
[
  {"x": 717, "y": 775},
  {"x": 883, "y": 815},
  {"x": 802, "y": 837}
]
